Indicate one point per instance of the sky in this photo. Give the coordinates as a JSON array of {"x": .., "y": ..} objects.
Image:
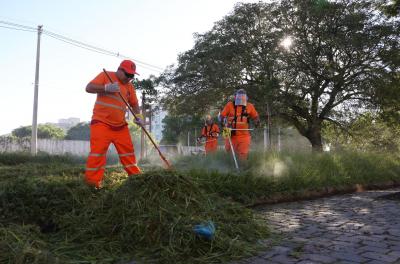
[{"x": 154, "y": 32}]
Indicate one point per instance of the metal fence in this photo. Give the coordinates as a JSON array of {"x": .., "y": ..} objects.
[
  {"x": 286, "y": 139},
  {"x": 263, "y": 139}
]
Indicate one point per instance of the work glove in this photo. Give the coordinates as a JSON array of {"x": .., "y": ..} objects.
[
  {"x": 214, "y": 134},
  {"x": 226, "y": 132},
  {"x": 111, "y": 87},
  {"x": 139, "y": 120},
  {"x": 257, "y": 123}
]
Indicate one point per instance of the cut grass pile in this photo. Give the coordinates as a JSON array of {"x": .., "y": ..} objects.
[{"x": 50, "y": 216}]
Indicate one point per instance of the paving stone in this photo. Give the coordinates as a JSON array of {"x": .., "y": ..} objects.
[
  {"x": 374, "y": 249},
  {"x": 394, "y": 232},
  {"x": 299, "y": 239},
  {"x": 375, "y": 262},
  {"x": 342, "y": 244},
  {"x": 375, "y": 244},
  {"x": 347, "y": 256},
  {"x": 284, "y": 259},
  {"x": 348, "y": 229},
  {"x": 281, "y": 249},
  {"x": 346, "y": 262},
  {"x": 257, "y": 260},
  {"x": 319, "y": 258},
  {"x": 308, "y": 262},
  {"x": 395, "y": 254},
  {"x": 350, "y": 239},
  {"x": 268, "y": 254},
  {"x": 380, "y": 257}
]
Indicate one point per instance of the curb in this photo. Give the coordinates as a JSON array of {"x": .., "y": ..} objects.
[{"x": 321, "y": 193}]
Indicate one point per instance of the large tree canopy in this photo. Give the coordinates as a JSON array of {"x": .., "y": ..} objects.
[{"x": 341, "y": 52}]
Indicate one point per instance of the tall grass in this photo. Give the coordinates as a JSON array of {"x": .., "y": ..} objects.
[
  {"x": 17, "y": 158},
  {"x": 267, "y": 174}
]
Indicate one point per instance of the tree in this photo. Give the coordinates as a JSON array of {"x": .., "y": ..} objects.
[
  {"x": 392, "y": 8},
  {"x": 148, "y": 88},
  {"x": 340, "y": 50},
  {"x": 80, "y": 131},
  {"x": 44, "y": 131},
  {"x": 369, "y": 132},
  {"x": 236, "y": 53},
  {"x": 176, "y": 127},
  {"x": 388, "y": 100}
]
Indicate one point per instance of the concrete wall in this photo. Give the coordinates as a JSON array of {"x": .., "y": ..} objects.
[
  {"x": 78, "y": 147},
  {"x": 51, "y": 146}
]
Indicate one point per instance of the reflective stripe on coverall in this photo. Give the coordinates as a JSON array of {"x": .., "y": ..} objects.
[
  {"x": 102, "y": 135},
  {"x": 240, "y": 139},
  {"x": 211, "y": 141},
  {"x": 109, "y": 126}
]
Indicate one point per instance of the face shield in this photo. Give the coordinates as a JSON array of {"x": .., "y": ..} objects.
[{"x": 241, "y": 97}]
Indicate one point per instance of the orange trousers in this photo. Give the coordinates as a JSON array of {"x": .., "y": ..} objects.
[
  {"x": 101, "y": 136},
  {"x": 211, "y": 145},
  {"x": 241, "y": 145}
]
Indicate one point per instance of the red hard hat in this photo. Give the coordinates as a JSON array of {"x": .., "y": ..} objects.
[{"x": 128, "y": 66}]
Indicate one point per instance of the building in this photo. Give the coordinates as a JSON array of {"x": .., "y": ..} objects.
[
  {"x": 67, "y": 123},
  {"x": 157, "y": 125}
]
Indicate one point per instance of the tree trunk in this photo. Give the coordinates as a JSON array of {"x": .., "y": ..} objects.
[{"x": 315, "y": 137}]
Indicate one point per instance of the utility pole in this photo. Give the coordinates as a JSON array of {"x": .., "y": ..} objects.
[
  {"x": 268, "y": 130},
  {"x": 144, "y": 121},
  {"x": 149, "y": 115},
  {"x": 279, "y": 139},
  {"x": 195, "y": 137},
  {"x": 36, "y": 95},
  {"x": 265, "y": 138}
]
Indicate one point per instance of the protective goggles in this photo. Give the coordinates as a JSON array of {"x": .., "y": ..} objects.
[{"x": 128, "y": 75}]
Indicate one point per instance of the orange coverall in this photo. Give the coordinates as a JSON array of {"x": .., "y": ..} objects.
[
  {"x": 238, "y": 118},
  {"x": 210, "y": 132},
  {"x": 109, "y": 126}
]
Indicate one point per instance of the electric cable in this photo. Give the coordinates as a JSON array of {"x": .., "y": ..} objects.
[{"x": 79, "y": 44}]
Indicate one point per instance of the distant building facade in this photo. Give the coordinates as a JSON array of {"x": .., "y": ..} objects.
[
  {"x": 157, "y": 125},
  {"x": 67, "y": 123}
]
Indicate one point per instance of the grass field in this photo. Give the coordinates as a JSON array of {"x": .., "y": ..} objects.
[{"x": 47, "y": 214}]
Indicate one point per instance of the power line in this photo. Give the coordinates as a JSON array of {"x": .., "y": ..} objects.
[
  {"x": 16, "y": 25},
  {"x": 20, "y": 29},
  {"x": 97, "y": 49},
  {"x": 80, "y": 44}
]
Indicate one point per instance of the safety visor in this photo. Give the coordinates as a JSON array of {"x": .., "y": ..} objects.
[{"x": 241, "y": 99}]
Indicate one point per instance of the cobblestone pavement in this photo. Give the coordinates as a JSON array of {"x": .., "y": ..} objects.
[{"x": 351, "y": 228}]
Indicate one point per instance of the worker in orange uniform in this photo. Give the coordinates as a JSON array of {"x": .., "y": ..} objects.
[
  {"x": 236, "y": 116},
  {"x": 210, "y": 132},
  {"x": 108, "y": 123}
]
